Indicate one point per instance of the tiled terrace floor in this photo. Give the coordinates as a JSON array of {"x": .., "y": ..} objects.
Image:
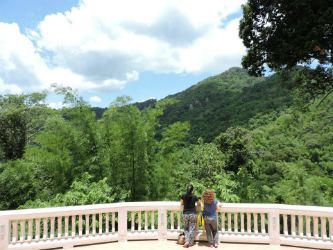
[{"x": 171, "y": 245}]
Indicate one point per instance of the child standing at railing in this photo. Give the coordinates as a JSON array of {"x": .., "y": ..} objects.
[{"x": 210, "y": 206}]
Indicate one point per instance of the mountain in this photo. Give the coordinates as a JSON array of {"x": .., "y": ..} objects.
[{"x": 226, "y": 100}]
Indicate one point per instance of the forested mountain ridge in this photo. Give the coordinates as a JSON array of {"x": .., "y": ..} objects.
[{"x": 228, "y": 99}]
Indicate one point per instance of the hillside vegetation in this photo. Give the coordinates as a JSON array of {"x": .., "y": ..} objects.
[
  {"x": 229, "y": 99},
  {"x": 226, "y": 100},
  {"x": 254, "y": 146}
]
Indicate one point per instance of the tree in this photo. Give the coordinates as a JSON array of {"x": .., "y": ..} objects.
[
  {"x": 234, "y": 144},
  {"x": 82, "y": 192},
  {"x": 22, "y": 117},
  {"x": 283, "y": 34},
  {"x": 129, "y": 145}
]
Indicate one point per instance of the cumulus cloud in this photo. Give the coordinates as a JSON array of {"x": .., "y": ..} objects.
[
  {"x": 95, "y": 99},
  {"x": 102, "y": 45},
  {"x": 57, "y": 105}
]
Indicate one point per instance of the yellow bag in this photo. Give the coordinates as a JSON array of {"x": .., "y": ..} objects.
[{"x": 201, "y": 218}]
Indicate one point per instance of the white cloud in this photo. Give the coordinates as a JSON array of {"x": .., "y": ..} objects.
[
  {"x": 150, "y": 98},
  {"x": 10, "y": 88},
  {"x": 95, "y": 99},
  {"x": 57, "y": 105},
  {"x": 102, "y": 45}
]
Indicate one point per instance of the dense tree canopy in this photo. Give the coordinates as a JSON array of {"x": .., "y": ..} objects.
[
  {"x": 283, "y": 34},
  {"x": 21, "y": 118},
  {"x": 272, "y": 155}
]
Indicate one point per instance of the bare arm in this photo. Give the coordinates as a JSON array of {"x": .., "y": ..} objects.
[
  {"x": 198, "y": 203},
  {"x": 218, "y": 206},
  {"x": 181, "y": 202}
]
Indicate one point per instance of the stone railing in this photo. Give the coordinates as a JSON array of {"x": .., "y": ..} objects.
[{"x": 66, "y": 227}]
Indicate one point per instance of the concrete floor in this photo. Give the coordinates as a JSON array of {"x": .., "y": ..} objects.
[{"x": 171, "y": 245}]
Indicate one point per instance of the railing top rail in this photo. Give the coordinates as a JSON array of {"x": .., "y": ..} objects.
[
  {"x": 112, "y": 206},
  {"x": 168, "y": 205}
]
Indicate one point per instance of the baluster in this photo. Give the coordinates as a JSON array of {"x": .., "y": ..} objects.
[
  {"x": 80, "y": 225},
  {"x": 59, "y": 227},
  {"x": 255, "y": 224},
  {"x": 153, "y": 221},
  {"x": 323, "y": 228},
  {"x": 263, "y": 223},
  {"x": 285, "y": 225},
  {"x": 107, "y": 223},
  {"x": 222, "y": 223},
  {"x": 236, "y": 223},
  {"x": 293, "y": 226},
  {"x": 242, "y": 224},
  {"x": 146, "y": 221},
  {"x": 113, "y": 222},
  {"x": 100, "y": 224},
  {"x": 45, "y": 229},
  {"x": 229, "y": 223},
  {"x": 172, "y": 221},
  {"x": 22, "y": 236},
  {"x": 331, "y": 228},
  {"x": 139, "y": 218},
  {"x": 30, "y": 230},
  {"x": 178, "y": 223},
  {"x": 73, "y": 226},
  {"x": 94, "y": 224},
  {"x": 132, "y": 228},
  {"x": 300, "y": 226},
  {"x": 87, "y": 225},
  {"x": 14, "y": 240},
  {"x": 248, "y": 223},
  {"x": 308, "y": 228},
  {"x": 52, "y": 228},
  {"x": 66, "y": 227},
  {"x": 315, "y": 227}
]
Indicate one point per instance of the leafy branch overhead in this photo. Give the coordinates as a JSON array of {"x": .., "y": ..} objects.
[{"x": 284, "y": 34}]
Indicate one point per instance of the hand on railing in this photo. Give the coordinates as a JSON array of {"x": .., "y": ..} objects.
[{"x": 218, "y": 206}]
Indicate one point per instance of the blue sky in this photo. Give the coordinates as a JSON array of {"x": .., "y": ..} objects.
[{"x": 106, "y": 49}]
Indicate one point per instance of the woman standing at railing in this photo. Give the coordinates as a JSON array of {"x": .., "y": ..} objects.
[
  {"x": 189, "y": 215},
  {"x": 210, "y": 207}
]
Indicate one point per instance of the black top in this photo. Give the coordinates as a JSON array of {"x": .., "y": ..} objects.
[{"x": 189, "y": 205}]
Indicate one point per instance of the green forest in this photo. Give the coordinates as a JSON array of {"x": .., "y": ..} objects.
[{"x": 243, "y": 137}]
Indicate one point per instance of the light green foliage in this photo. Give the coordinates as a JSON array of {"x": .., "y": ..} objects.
[
  {"x": 272, "y": 154},
  {"x": 128, "y": 145},
  {"x": 83, "y": 192},
  {"x": 204, "y": 167}
]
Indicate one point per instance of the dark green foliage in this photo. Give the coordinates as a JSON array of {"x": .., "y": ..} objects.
[
  {"x": 227, "y": 100},
  {"x": 17, "y": 184},
  {"x": 292, "y": 156},
  {"x": 21, "y": 119},
  {"x": 99, "y": 112},
  {"x": 234, "y": 144},
  {"x": 283, "y": 34},
  {"x": 145, "y": 104}
]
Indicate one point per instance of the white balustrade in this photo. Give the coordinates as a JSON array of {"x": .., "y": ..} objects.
[{"x": 81, "y": 225}]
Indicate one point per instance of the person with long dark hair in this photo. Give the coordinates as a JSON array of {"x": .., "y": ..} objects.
[{"x": 189, "y": 215}]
